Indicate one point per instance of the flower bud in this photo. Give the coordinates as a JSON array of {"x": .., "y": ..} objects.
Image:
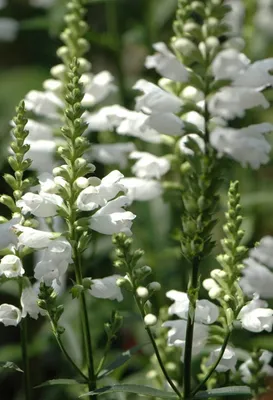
[
  {"x": 154, "y": 286},
  {"x": 150, "y": 320},
  {"x": 142, "y": 292},
  {"x": 58, "y": 71},
  {"x": 81, "y": 183}
]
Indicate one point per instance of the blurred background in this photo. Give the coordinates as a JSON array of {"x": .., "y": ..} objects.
[{"x": 121, "y": 35}]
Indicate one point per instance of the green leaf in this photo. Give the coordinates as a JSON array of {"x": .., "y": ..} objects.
[
  {"x": 149, "y": 391},
  {"x": 223, "y": 392},
  {"x": 64, "y": 381},
  {"x": 9, "y": 365},
  {"x": 119, "y": 361},
  {"x": 137, "y": 389}
]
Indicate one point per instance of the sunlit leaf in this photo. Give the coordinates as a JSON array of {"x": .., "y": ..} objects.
[
  {"x": 9, "y": 365},
  {"x": 54, "y": 382},
  {"x": 137, "y": 389}
]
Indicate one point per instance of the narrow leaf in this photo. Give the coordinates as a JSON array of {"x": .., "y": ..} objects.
[
  {"x": 53, "y": 382},
  {"x": 120, "y": 360},
  {"x": 9, "y": 365},
  {"x": 223, "y": 392},
  {"x": 137, "y": 389}
]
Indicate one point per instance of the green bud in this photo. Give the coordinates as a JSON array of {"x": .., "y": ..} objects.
[
  {"x": 124, "y": 283},
  {"x": 8, "y": 202}
]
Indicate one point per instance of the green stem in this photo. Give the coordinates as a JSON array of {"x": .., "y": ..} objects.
[
  {"x": 24, "y": 347},
  {"x": 85, "y": 327},
  {"x": 60, "y": 344},
  {"x": 214, "y": 366},
  {"x": 102, "y": 361},
  {"x": 153, "y": 342},
  {"x": 190, "y": 329}
]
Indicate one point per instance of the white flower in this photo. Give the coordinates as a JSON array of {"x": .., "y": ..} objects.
[
  {"x": 112, "y": 153},
  {"x": 184, "y": 141},
  {"x": 265, "y": 359},
  {"x": 103, "y": 190},
  {"x": 11, "y": 266},
  {"x": 106, "y": 288},
  {"x": 7, "y": 235},
  {"x": 148, "y": 165},
  {"x": 206, "y": 312},
  {"x": 98, "y": 88},
  {"x": 228, "y": 360},
  {"x": 38, "y": 131},
  {"x": 33, "y": 238},
  {"x": 247, "y": 145},
  {"x": 29, "y": 299},
  {"x": 155, "y": 99},
  {"x": 177, "y": 335},
  {"x": 54, "y": 261},
  {"x": 135, "y": 124},
  {"x": 212, "y": 287},
  {"x": 45, "y": 104},
  {"x": 257, "y": 75},
  {"x": 232, "y": 102},
  {"x": 264, "y": 251},
  {"x": 42, "y": 153},
  {"x": 106, "y": 119},
  {"x": 142, "y": 189},
  {"x": 255, "y": 317},
  {"x": 47, "y": 183},
  {"x": 235, "y": 17},
  {"x": 228, "y": 64},
  {"x": 8, "y": 29},
  {"x": 41, "y": 205},
  {"x": 166, "y": 64},
  {"x": 256, "y": 279},
  {"x": 112, "y": 218},
  {"x": 195, "y": 118},
  {"x": 10, "y": 315},
  {"x": 166, "y": 123}
]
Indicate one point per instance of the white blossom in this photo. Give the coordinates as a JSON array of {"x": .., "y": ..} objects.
[
  {"x": 11, "y": 266},
  {"x": 166, "y": 64},
  {"x": 7, "y": 234},
  {"x": 100, "y": 192},
  {"x": 97, "y": 88},
  {"x": 10, "y": 315},
  {"x": 264, "y": 251},
  {"x": 41, "y": 205},
  {"x": 106, "y": 288},
  {"x": 9, "y": 28},
  {"x": 42, "y": 153},
  {"x": 54, "y": 261},
  {"x": 212, "y": 287},
  {"x": 38, "y": 131},
  {"x": 246, "y": 145},
  {"x": 29, "y": 299},
  {"x": 33, "y": 238},
  {"x": 106, "y": 118},
  {"x": 232, "y": 102},
  {"x": 228, "y": 360},
  {"x": 245, "y": 367},
  {"x": 142, "y": 189},
  {"x": 148, "y": 165},
  {"x": 185, "y": 140},
  {"x": 135, "y": 124},
  {"x": 45, "y": 104},
  {"x": 255, "y": 317},
  {"x": 177, "y": 335},
  {"x": 235, "y": 17},
  {"x": 256, "y": 279},
  {"x": 263, "y": 17},
  {"x": 112, "y": 153},
  {"x": 228, "y": 64},
  {"x": 166, "y": 123},
  {"x": 206, "y": 312},
  {"x": 112, "y": 218},
  {"x": 155, "y": 99}
]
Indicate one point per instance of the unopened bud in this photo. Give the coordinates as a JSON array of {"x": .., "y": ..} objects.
[
  {"x": 150, "y": 320},
  {"x": 142, "y": 292},
  {"x": 81, "y": 182},
  {"x": 154, "y": 286}
]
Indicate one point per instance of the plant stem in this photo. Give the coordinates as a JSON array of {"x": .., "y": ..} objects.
[
  {"x": 190, "y": 329},
  {"x": 85, "y": 327},
  {"x": 102, "y": 361},
  {"x": 24, "y": 347},
  {"x": 60, "y": 344},
  {"x": 153, "y": 342},
  {"x": 223, "y": 348}
]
